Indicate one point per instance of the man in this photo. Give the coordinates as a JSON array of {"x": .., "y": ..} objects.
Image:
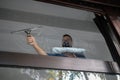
[{"x": 66, "y": 42}]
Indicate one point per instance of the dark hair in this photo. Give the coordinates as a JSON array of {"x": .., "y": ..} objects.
[{"x": 68, "y": 36}]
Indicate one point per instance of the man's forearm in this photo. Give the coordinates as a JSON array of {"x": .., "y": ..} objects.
[{"x": 39, "y": 50}]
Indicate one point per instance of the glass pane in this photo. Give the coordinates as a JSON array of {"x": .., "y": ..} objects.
[
  {"x": 49, "y": 23},
  {"x": 49, "y": 74}
]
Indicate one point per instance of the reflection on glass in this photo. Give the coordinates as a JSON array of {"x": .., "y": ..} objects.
[
  {"x": 49, "y": 74},
  {"x": 118, "y": 77}
]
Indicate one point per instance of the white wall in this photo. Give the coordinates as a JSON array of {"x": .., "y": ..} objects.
[{"x": 33, "y": 6}]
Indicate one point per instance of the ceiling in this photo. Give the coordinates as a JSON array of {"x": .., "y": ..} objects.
[{"x": 47, "y": 9}]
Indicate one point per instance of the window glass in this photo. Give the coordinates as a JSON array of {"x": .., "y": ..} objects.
[
  {"x": 49, "y": 23},
  {"x": 49, "y": 74}
]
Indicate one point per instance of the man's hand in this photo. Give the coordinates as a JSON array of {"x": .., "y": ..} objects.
[{"x": 31, "y": 40}]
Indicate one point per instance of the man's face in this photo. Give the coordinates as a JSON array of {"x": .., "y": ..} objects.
[{"x": 66, "y": 41}]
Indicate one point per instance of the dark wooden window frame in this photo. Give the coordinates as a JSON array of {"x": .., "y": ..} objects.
[
  {"x": 11, "y": 59},
  {"x": 8, "y": 59}
]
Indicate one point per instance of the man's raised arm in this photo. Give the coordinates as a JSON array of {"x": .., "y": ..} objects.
[{"x": 31, "y": 40}]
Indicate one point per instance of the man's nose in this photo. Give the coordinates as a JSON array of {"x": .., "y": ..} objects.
[{"x": 65, "y": 41}]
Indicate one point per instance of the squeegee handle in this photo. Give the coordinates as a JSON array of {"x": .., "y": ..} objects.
[{"x": 28, "y": 32}]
